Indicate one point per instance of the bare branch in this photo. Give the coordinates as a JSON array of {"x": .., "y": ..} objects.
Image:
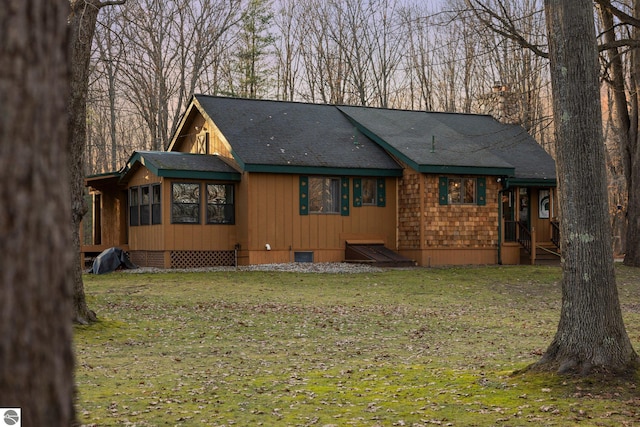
[
  {"x": 622, "y": 16},
  {"x": 504, "y": 27}
]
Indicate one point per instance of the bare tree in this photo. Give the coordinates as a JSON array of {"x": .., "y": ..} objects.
[
  {"x": 171, "y": 49},
  {"x": 110, "y": 54},
  {"x": 82, "y": 24},
  {"x": 419, "y": 59},
  {"x": 619, "y": 41},
  {"x": 623, "y": 77},
  {"x": 287, "y": 49},
  {"x": 36, "y": 356},
  {"x": 324, "y": 62},
  {"x": 150, "y": 79},
  {"x": 591, "y": 335}
]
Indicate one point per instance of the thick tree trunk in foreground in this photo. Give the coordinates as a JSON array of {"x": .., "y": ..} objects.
[
  {"x": 36, "y": 357},
  {"x": 591, "y": 335}
]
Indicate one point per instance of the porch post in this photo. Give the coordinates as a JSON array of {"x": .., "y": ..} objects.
[{"x": 533, "y": 246}]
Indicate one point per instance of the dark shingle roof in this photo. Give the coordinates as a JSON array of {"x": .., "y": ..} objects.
[
  {"x": 448, "y": 142},
  {"x": 278, "y": 136},
  {"x": 181, "y": 165},
  {"x": 275, "y": 135}
]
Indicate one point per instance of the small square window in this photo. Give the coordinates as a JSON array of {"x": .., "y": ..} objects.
[
  {"x": 462, "y": 191},
  {"x": 369, "y": 191}
]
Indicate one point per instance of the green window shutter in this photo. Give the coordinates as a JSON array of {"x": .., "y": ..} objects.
[
  {"x": 443, "y": 190},
  {"x": 357, "y": 192},
  {"x": 481, "y": 186},
  {"x": 304, "y": 195},
  {"x": 344, "y": 197},
  {"x": 382, "y": 192}
]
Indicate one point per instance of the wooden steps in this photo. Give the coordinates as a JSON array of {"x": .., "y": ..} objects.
[
  {"x": 376, "y": 254},
  {"x": 546, "y": 254}
]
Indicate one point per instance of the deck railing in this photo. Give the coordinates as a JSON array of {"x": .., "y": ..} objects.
[{"x": 524, "y": 236}]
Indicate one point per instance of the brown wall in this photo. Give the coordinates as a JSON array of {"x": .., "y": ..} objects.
[
  {"x": 274, "y": 219},
  {"x": 435, "y": 234},
  {"x": 194, "y": 132},
  {"x": 267, "y": 212},
  {"x": 410, "y": 201},
  {"x": 177, "y": 237}
]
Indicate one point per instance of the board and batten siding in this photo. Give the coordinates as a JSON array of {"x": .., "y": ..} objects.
[
  {"x": 273, "y": 206},
  {"x": 145, "y": 237},
  {"x": 178, "y": 237}
]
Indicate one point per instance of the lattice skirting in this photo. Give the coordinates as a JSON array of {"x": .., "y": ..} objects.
[
  {"x": 147, "y": 258},
  {"x": 197, "y": 259}
]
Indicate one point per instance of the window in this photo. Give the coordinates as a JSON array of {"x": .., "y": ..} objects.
[
  {"x": 324, "y": 195},
  {"x": 462, "y": 191},
  {"x": 369, "y": 192},
  {"x": 133, "y": 206},
  {"x": 185, "y": 203},
  {"x": 220, "y": 209},
  {"x": 156, "y": 217},
  {"x": 145, "y": 207}
]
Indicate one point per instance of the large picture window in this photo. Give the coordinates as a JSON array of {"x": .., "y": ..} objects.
[
  {"x": 185, "y": 203},
  {"x": 324, "y": 195},
  {"x": 220, "y": 208}
]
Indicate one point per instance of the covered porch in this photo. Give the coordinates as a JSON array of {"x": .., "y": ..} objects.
[{"x": 529, "y": 231}]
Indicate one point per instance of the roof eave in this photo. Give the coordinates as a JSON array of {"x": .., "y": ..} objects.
[
  {"x": 191, "y": 174},
  {"x": 321, "y": 170},
  {"x": 466, "y": 170},
  {"x": 531, "y": 182}
]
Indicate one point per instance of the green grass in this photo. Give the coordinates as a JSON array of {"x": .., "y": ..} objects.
[{"x": 397, "y": 348}]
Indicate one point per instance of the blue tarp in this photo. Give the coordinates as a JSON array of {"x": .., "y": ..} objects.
[{"x": 110, "y": 260}]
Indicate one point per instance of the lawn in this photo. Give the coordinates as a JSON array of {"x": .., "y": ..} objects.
[{"x": 394, "y": 348}]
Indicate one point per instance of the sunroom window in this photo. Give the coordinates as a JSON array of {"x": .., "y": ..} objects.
[
  {"x": 185, "y": 203},
  {"x": 220, "y": 208},
  {"x": 134, "y": 215}
]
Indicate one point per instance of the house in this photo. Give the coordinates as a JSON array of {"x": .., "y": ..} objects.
[{"x": 257, "y": 181}]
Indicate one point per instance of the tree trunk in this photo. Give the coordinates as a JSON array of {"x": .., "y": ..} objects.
[
  {"x": 82, "y": 23},
  {"x": 631, "y": 156},
  {"x": 632, "y": 255},
  {"x": 36, "y": 356},
  {"x": 591, "y": 336}
]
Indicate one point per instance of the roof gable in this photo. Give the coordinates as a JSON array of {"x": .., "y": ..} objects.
[{"x": 277, "y": 136}]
